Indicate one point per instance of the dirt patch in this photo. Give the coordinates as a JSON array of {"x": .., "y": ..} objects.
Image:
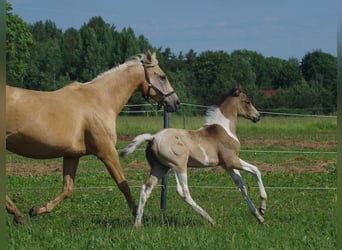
[
  {"x": 291, "y": 143},
  {"x": 296, "y": 164},
  {"x": 292, "y": 165},
  {"x": 32, "y": 169},
  {"x": 126, "y": 138}
]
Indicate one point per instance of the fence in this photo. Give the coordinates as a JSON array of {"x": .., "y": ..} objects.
[{"x": 151, "y": 110}]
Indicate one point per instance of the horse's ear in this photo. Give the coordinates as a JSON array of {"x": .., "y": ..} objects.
[
  {"x": 148, "y": 57},
  {"x": 151, "y": 58}
]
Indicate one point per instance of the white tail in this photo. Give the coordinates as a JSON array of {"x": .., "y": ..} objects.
[{"x": 135, "y": 143}]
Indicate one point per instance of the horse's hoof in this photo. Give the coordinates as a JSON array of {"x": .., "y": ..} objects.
[
  {"x": 19, "y": 219},
  {"x": 33, "y": 211}
]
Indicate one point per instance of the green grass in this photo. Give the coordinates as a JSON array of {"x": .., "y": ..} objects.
[{"x": 97, "y": 217}]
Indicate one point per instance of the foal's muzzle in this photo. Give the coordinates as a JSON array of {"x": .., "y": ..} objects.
[{"x": 256, "y": 118}]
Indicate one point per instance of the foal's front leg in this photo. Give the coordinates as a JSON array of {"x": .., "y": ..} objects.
[
  {"x": 255, "y": 171},
  {"x": 235, "y": 174}
]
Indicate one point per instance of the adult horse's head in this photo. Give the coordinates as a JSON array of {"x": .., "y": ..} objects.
[
  {"x": 157, "y": 86},
  {"x": 241, "y": 103}
]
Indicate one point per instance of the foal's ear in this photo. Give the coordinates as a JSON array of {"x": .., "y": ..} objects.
[{"x": 237, "y": 90}]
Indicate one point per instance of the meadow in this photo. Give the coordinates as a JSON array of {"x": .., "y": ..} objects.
[{"x": 296, "y": 156}]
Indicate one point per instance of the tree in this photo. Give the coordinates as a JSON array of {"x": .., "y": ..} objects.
[
  {"x": 320, "y": 67},
  {"x": 289, "y": 74},
  {"x": 256, "y": 61},
  {"x": 18, "y": 43},
  {"x": 90, "y": 58},
  {"x": 71, "y": 48},
  {"x": 242, "y": 71},
  {"x": 274, "y": 66},
  {"x": 129, "y": 45},
  {"x": 45, "y": 66},
  {"x": 213, "y": 74}
]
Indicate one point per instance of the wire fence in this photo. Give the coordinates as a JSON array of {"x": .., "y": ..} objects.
[{"x": 152, "y": 108}]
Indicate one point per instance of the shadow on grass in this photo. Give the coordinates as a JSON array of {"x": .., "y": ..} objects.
[{"x": 151, "y": 221}]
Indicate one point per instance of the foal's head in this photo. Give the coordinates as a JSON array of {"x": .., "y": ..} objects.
[
  {"x": 157, "y": 86},
  {"x": 237, "y": 102}
]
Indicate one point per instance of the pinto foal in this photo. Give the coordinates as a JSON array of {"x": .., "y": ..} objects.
[{"x": 214, "y": 144}]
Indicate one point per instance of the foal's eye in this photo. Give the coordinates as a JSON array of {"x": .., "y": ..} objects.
[{"x": 248, "y": 102}]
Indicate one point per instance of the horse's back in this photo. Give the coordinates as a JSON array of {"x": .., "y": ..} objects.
[{"x": 42, "y": 124}]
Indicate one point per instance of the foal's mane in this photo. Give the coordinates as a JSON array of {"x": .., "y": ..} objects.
[
  {"x": 213, "y": 114},
  {"x": 233, "y": 92}
]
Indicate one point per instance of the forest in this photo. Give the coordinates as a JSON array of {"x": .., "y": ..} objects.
[{"x": 41, "y": 56}]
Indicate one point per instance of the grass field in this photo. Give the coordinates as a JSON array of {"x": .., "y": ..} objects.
[{"x": 300, "y": 180}]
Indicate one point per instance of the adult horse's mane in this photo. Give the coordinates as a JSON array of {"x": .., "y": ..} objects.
[{"x": 134, "y": 60}]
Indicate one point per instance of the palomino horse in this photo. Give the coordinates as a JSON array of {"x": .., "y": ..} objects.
[
  {"x": 214, "y": 144},
  {"x": 80, "y": 119}
]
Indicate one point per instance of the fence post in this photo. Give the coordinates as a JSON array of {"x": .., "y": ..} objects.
[{"x": 164, "y": 179}]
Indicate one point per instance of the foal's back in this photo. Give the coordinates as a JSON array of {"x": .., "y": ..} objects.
[{"x": 193, "y": 148}]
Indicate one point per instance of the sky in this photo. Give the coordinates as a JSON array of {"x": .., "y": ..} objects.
[{"x": 283, "y": 29}]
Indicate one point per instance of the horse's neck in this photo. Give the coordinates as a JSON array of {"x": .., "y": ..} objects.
[
  {"x": 117, "y": 87},
  {"x": 215, "y": 116}
]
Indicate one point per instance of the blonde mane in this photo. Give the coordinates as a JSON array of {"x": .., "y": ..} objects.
[{"x": 138, "y": 59}]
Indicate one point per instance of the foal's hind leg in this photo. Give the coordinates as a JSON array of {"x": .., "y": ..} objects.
[
  {"x": 69, "y": 172},
  {"x": 12, "y": 209},
  {"x": 235, "y": 174},
  {"x": 183, "y": 191},
  {"x": 156, "y": 174}
]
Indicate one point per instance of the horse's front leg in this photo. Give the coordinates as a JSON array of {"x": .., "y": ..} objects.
[
  {"x": 12, "y": 209},
  {"x": 111, "y": 160},
  {"x": 69, "y": 172}
]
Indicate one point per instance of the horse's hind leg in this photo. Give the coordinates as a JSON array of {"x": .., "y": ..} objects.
[
  {"x": 235, "y": 174},
  {"x": 111, "y": 160},
  {"x": 69, "y": 172},
  {"x": 183, "y": 191},
  {"x": 12, "y": 209}
]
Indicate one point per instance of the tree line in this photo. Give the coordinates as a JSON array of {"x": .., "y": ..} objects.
[{"x": 41, "y": 56}]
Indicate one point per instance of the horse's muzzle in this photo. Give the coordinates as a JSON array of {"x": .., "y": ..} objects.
[
  {"x": 171, "y": 107},
  {"x": 171, "y": 103}
]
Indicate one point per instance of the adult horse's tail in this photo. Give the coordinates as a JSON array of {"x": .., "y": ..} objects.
[{"x": 135, "y": 143}]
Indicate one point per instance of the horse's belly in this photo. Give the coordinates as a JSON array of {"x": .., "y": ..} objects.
[{"x": 39, "y": 148}]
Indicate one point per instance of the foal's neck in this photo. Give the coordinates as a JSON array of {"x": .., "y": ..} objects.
[{"x": 215, "y": 116}]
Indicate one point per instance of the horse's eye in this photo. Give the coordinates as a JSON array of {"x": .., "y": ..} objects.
[
  {"x": 162, "y": 78},
  {"x": 248, "y": 102}
]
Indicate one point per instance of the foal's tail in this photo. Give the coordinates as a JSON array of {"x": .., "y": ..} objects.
[{"x": 135, "y": 143}]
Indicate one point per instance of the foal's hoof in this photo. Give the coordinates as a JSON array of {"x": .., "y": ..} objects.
[
  {"x": 19, "y": 219},
  {"x": 34, "y": 211},
  {"x": 262, "y": 210}
]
